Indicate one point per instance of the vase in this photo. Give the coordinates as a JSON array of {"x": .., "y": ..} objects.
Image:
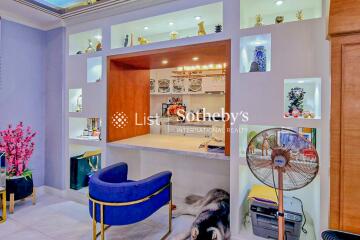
[
  {"x": 20, "y": 186},
  {"x": 260, "y": 58}
]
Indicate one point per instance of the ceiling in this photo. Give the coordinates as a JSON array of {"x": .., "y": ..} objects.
[{"x": 49, "y": 14}]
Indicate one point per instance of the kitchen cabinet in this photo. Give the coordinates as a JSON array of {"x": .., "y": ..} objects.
[
  {"x": 214, "y": 84},
  {"x": 344, "y": 31}
]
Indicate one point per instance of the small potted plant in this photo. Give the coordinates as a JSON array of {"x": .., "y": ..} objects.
[{"x": 18, "y": 145}]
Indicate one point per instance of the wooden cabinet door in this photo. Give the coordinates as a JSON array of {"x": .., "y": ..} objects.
[
  {"x": 350, "y": 138},
  {"x": 345, "y": 134}
]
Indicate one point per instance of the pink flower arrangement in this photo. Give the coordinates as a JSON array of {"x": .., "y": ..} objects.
[{"x": 18, "y": 145}]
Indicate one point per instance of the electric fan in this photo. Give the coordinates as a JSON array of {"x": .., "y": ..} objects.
[{"x": 284, "y": 160}]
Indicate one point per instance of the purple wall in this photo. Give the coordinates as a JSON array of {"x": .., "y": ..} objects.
[
  {"x": 54, "y": 75},
  {"x": 22, "y": 92},
  {"x": 31, "y": 91}
]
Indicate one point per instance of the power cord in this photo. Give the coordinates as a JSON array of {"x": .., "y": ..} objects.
[{"x": 303, "y": 212}]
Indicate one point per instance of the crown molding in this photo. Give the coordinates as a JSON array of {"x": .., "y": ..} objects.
[
  {"x": 24, "y": 14},
  {"x": 16, "y": 12}
]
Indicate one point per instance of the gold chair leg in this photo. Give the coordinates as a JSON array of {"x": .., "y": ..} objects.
[
  {"x": 12, "y": 203},
  {"x": 3, "y": 207},
  {"x": 33, "y": 196},
  {"x": 94, "y": 222},
  {"x": 102, "y": 222},
  {"x": 170, "y": 216}
]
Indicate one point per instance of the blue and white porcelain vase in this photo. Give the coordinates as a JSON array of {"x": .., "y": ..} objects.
[{"x": 260, "y": 57}]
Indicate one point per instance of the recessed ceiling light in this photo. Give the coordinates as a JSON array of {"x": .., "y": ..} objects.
[
  {"x": 171, "y": 24},
  {"x": 279, "y": 2},
  {"x": 195, "y": 58},
  {"x": 164, "y": 62},
  {"x": 301, "y": 81},
  {"x": 198, "y": 18},
  {"x": 146, "y": 28}
]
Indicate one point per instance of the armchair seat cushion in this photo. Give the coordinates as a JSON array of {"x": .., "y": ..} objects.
[{"x": 111, "y": 185}]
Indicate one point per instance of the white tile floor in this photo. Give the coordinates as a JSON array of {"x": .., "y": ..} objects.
[{"x": 54, "y": 218}]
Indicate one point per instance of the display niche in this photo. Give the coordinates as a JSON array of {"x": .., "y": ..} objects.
[
  {"x": 257, "y": 13},
  {"x": 302, "y": 98},
  {"x": 198, "y": 21},
  {"x": 94, "y": 69},
  {"x": 255, "y": 53},
  {"x": 87, "y": 129},
  {"x": 75, "y": 100},
  {"x": 247, "y": 132},
  {"x": 85, "y": 42}
]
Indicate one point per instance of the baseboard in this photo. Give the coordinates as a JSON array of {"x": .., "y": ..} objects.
[
  {"x": 70, "y": 195},
  {"x": 50, "y": 190}
]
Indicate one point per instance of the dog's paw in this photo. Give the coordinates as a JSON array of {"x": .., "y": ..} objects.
[{"x": 194, "y": 233}]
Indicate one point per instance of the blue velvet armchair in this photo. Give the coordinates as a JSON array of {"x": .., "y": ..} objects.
[{"x": 116, "y": 201}]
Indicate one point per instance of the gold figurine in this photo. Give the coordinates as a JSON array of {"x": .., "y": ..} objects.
[
  {"x": 143, "y": 41},
  {"x": 259, "y": 20},
  {"x": 300, "y": 15},
  {"x": 201, "y": 31}
]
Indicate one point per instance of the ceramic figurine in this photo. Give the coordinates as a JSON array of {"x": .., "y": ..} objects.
[
  {"x": 259, "y": 20},
  {"x": 79, "y": 103},
  {"x": 143, "y": 41},
  {"x": 260, "y": 58},
  {"x": 90, "y": 48},
  {"x": 279, "y": 19},
  {"x": 201, "y": 31},
  {"x": 218, "y": 28},
  {"x": 254, "y": 67},
  {"x": 126, "y": 41},
  {"x": 265, "y": 145},
  {"x": 173, "y": 35},
  {"x": 132, "y": 40},
  {"x": 295, "y": 113},
  {"x": 300, "y": 15},
  {"x": 98, "y": 47}
]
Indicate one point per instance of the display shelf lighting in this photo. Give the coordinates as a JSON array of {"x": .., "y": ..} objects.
[
  {"x": 197, "y": 18},
  {"x": 98, "y": 37},
  {"x": 164, "y": 62},
  {"x": 171, "y": 23},
  {"x": 195, "y": 59},
  {"x": 146, "y": 28},
  {"x": 279, "y": 2}
]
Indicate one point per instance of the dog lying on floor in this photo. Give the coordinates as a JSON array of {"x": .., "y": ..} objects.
[{"x": 212, "y": 214}]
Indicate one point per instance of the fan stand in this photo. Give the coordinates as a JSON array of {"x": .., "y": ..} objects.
[{"x": 281, "y": 212}]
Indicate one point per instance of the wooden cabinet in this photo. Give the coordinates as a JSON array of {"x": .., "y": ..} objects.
[{"x": 345, "y": 116}]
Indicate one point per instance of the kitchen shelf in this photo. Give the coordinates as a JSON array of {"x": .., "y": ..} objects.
[
  {"x": 269, "y": 10},
  {"x": 85, "y": 42},
  {"x": 312, "y": 97},
  {"x": 163, "y": 27},
  {"x": 75, "y": 100},
  {"x": 94, "y": 69},
  {"x": 255, "y": 53}
]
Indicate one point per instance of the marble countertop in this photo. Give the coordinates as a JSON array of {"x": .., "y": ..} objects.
[{"x": 181, "y": 145}]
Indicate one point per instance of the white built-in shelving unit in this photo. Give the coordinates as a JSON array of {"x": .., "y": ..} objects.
[{"x": 297, "y": 55}]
